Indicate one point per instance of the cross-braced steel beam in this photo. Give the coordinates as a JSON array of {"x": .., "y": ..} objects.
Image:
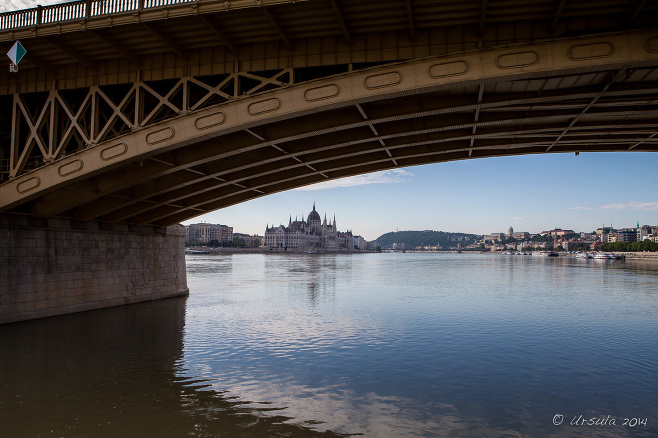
[{"x": 62, "y": 122}]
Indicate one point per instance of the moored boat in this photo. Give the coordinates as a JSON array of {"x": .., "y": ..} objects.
[
  {"x": 607, "y": 256},
  {"x": 196, "y": 251}
]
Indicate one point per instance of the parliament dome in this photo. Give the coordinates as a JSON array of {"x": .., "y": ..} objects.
[
  {"x": 314, "y": 221},
  {"x": 313, "y": 216}
]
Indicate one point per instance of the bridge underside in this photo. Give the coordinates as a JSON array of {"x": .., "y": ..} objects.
[
  {"x": 524, "y": 100},
  {"x": 157, "y": 150}
]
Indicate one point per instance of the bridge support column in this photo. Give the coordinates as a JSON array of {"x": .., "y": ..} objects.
[{"x": 56, "y": 266}]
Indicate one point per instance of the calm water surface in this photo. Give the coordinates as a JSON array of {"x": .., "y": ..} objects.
[{"x": 377, "y": 345}]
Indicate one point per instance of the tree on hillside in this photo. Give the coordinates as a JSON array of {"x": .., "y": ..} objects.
[{"x": 412, "y": 239}]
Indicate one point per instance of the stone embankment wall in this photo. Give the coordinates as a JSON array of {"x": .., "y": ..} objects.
[
  {"x": 640, "y": 255},
  {"x": 56, "y": 266}
]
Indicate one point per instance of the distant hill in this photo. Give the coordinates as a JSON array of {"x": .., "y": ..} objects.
[{"x": 412, "y": 239}]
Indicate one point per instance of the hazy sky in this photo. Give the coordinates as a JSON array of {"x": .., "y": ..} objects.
[{"x": 529, "y": 193}]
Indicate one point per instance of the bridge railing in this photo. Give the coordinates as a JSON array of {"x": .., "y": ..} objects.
[
  {"x": 64, "y": 12},
  {"x": 77, "y": 10},
  {"x": 159, "y": 3},
  {"x": 10, "y": 20}
]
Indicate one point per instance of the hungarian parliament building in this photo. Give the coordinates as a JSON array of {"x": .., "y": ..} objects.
[{"x": 312, "y": 234}]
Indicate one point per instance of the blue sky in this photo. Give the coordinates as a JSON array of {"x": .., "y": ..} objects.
[{"x": 530, "y": 193}]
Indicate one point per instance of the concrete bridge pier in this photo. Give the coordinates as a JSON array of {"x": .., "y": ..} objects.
[{"x": 56, "y": 266}]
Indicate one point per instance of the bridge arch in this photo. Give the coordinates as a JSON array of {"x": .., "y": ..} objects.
[{"x": 568, "y": 95}]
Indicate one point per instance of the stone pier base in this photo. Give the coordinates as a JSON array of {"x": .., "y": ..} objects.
[{"x": 56, "y": 266}]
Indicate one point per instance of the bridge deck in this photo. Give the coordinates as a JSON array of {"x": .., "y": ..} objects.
[{"x": 96, "y": 42}]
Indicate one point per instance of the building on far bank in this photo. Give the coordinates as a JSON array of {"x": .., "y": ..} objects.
[
  {"x": 559, "y": 232},
  {"x": 572, "y": 245},
  {"x": 521, "y": 235},
  {"x": 643, "y": 231},
  {"x": 495, "y": 237},
  {"x": 205, "y": 233},
  {"x": 627, "y": 235},
  {"x": 603, "y": 232},
  {"x": 250, "y": 241},
  {"x": 312, "y": 234}
]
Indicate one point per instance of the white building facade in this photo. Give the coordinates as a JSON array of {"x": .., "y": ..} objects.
[
  {"x": 312, "y": 234},
  {"x": 204, "y": 233}
]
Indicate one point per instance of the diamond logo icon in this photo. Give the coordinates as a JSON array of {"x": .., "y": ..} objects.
[{"x": 16, "y": 52}]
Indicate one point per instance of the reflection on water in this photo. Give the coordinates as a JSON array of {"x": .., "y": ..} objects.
[
  {"x": 117, "y": 373},
  {"x": 428, "y": 345},
  {"x": 381, "y": 345}
]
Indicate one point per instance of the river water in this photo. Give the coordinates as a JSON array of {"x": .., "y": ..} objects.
[{"x": 375, "y": 345}]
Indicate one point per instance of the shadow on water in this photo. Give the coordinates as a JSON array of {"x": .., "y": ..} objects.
[{"x": 118, "y": 372}]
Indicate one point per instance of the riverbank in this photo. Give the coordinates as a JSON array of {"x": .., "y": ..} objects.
[
  {"x": 261, "y": 250},
  {"x": 645, "y": 256},
  {"x": 639, "y": 255}
]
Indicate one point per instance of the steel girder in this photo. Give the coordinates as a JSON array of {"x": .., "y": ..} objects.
[{"x": 49, "y": 126}]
